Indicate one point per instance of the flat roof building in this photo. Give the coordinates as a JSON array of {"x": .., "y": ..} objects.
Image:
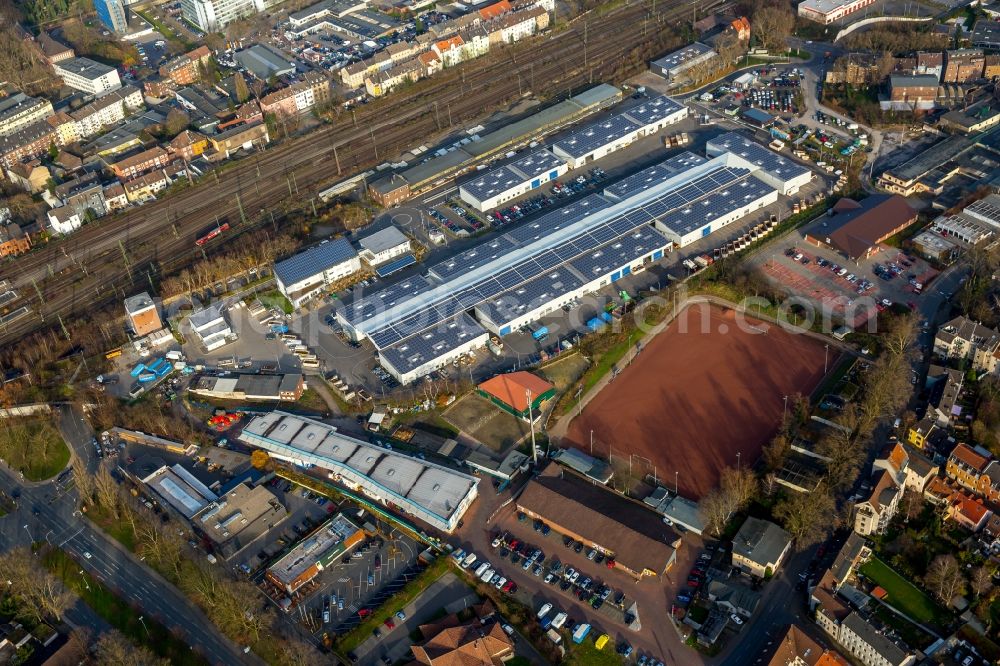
[
  {"x": 263, "y": 62},
  {"x": 304, "y": 275},
  {"x": 314, "y": 553},
  {"x": 434, "y": 494},
  {"x": 211, "y": 327},
  {"x": 142, "y": 314},
  {"x": 252, "y": 387},
  {"x": 777, "y": 171},
  {"x": 829, "y": 11},
  {"x": 676, "y": 63},
  {"x": 510, "y": 280},
  {"x": 238, "y": 517},
  {"x": 601, "y": 138},
  {"x": 87, "y": 75},
  {"x": 180, "y": 490},
  {"x": 384, "y": 245},
  {"x": 760, "y": 547},
  {"x": 490, "y": 189}
]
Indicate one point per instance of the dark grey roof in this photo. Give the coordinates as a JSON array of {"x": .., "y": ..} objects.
[
  {"x": 760, "y": 541},
  {"x": 313, "y": 261},
  {"x": 847, "y": 556},
  {"x": 531, "y": 295},
  {"x": 912, "y": 81},
  {"x": 682, "y": 56},
  {"x": 595, "y": 135},
  {"x": 365, "y": 306},
  {"x": 653, "y": 110},
  {"x": 882, "y": 644},
  {"x": 601, "y": 261},
  {"x": 654, "y": 175},
  {"x": 769, "y": 161},
  {"x": 414, "y": 351}
]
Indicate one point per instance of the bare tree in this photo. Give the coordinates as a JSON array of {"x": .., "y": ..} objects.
[
  {"x": 772, "y": 26},
  {"x": 114, "y": 648},
  {"x": 45, "y": 597},
  {"x": 944, "y": 578},
  {"x": 807, "y": 516},
  {"x": 83, "y": 479},
  {"x": 981, "y": 581},
  {"x": 106, "y": 489},
  {"x": 736, "y": 488}
]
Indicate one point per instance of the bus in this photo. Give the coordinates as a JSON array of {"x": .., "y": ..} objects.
[{"x": 114, "y": 353}]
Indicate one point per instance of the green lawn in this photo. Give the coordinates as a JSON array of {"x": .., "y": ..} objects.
[
  {"x": 275, "y": 299},
  {"x": 585, "y": 654},
  {"x": 116, "y": 612},
  {"x": 33, "y": 446},
  {"x": 905, "y": 596}
]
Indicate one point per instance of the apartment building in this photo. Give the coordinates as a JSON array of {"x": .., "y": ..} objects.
[
  {"x": 185, "y": 69},
  {"x": 975, "y": 469},
  {"x": 106, "y": 110},
  {"x": 17, "y": 111},
  {"x": 962, "y": 338},
  {"x": 963, "y": 65},
  {"x": 13, "y": 240},
  {"x": 872, "y": 514},
  {"x": 140, "y": 163},
  {"x": 31, "y": 141}
]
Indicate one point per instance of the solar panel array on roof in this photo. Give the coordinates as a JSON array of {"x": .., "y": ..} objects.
[
  {"x": 536, "y": 163},
  {"x": 496, "y": 181},
  {"x": 653, "y": 110},
  {"x": 531, "y": 295},
  {"x": 603, "y": 260},
  {"x": 491, "y": 183},
  {"x": 558, "y": 219},
  {"x": 313, "y": 261},
  {"x": 366, "y": 306},
  {"x": 710, "y": 207},
  {"x": 472, "y": 258},
  {"x": 654, "y": 175},
  {"x": 410, "y": 353},
  {"x": 768, "y": 160},
  {"x": 598, "y": 134}
]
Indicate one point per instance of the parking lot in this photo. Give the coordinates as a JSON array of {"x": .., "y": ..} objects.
[
  {"x": 846, "y": 289},
  {"x": 772, "y": 89}
]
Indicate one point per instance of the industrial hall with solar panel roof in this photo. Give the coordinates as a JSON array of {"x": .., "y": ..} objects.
[{"x": 506, "y": 282}]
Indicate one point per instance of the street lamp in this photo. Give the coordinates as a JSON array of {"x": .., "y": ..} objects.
[
  {"x": 29, "y": 532},
  {"x": 826, "y": 355},
  {"x": 144, "y": 626}
]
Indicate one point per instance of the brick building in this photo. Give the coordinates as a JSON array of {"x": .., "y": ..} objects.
[{"x": 963, "y": 65}]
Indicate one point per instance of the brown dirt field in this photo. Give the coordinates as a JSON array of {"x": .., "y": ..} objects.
[{"x": 698, "y": 396}]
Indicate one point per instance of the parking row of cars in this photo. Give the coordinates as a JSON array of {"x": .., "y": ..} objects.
[{"x": 447, "y": 223}]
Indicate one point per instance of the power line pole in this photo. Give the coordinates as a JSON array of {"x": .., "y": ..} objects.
[{"x": 531, "y": 421}]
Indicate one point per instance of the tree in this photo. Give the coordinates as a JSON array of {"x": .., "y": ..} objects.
[
  {"x": 775, "y": 452},
  {"x": 83, "y": 480},
  {"x": 106, "y": 489},
  {"x": 242, "y": 90},
  {"x": 45, "y": 597},
  {"x": 772, "y": 26},
  {"x": 114, "y": 648},
  {"x": 944, "y": 578},
  {"x": 735, "y": 490},
  {"x": 981, "y": 581},
  {"x": 807, "y": 516},
  {"x": 177, "y": 121},
  {"x": 259, "y": 458}
]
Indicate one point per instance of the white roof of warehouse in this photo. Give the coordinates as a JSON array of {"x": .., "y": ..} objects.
[{"x": 416, "y": 484}]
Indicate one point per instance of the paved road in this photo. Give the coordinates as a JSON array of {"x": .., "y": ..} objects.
[{"x": 46, "y": 512}]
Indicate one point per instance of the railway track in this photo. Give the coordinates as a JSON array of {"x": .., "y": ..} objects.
[{"x": 107, "y": 259}]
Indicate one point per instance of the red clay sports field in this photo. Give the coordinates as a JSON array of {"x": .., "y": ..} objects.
[{"x": 691, "y": 400}]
